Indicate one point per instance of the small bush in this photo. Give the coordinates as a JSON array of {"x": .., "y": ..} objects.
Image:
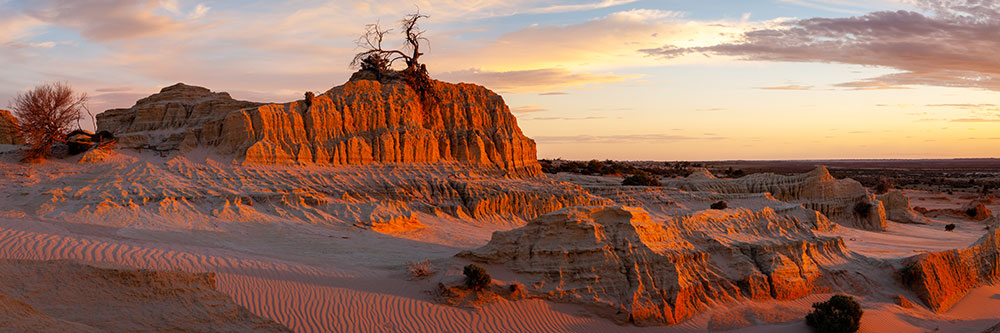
[
  {"x": 841, "y": 314},
  {"x": 720, "y": 205},
  {"x": 309, "y": 98},
  {"x": 516, "y": 291},
  {"x": 883, "y": 186},
  {"x": 420, "y": 269},
  {"x": 476, "y": 277},
  {"x": 641, "y": 179},
  {"x": 862, "y": 209},
  {"x": 949, "y": 227},
  {"x": 971, "y": 212}
]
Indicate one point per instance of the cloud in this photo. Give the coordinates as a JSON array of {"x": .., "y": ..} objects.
[
  {"x": 553, "y": 93},
  {"x": 604, "y": 43},
  {"x": 532, "y": 80},
  {"x": 528, "y": 109},
  {"x": 975, "y": 120},
  {"x": 616, "y": 139},
  {"x": 104, "y": 20},
  {"x": 569, "y": 118},
  {"x": 963, "y": 105},
  {"x": 787, "y": 87},
  {"x": 954, "y": 46},
  {"x": 578, "y": 7}
]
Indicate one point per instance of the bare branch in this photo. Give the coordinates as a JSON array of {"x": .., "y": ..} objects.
[{"x": 47, "y": 113}]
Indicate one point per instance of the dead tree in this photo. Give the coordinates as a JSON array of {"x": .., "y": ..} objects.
[
  {"x": 46, "y": 114},
  {"x": 379, "y": 60}
]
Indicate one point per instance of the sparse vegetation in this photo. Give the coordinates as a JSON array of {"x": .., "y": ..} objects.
[
  {"x": 609, "y": 167},
  {"x": 517, "y": 291},
  {"x": 641, "y": 179},
  {"x": 309, "y": 98},
  {"x": 884, "y": 185},
  {"x": 719, "y": 205},
  {"x": 377, "y": 59},
  {"x": 840, "y": 314},
  {"x": 476, "y": 277},
  {"x": 731, "y": 173},
  {"x": 46, "y": 114},
  {"x": 971, "y": 212},
  {"x": 949, "y": 227},
  {"x": 420, "y": 269},
  {"x": 862, "y": 209}
]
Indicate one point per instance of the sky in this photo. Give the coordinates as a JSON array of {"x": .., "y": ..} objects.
[{"x": 587, "y": 79}]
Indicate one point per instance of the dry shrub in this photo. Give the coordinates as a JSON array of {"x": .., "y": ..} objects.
[
  {"x": 420, "y": 269},
  {"x": 45, "y": 114}
]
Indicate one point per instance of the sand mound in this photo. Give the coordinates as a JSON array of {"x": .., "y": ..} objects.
[{"x": 60, "y": 295}]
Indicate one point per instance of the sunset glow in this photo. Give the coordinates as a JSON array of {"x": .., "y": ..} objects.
[{"x": 606, "y": 79}]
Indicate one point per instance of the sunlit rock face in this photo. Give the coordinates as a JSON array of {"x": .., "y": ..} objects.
[
  {"x": 941, "y": 279},
  {"x": 652, "y": 272},
  {"x": 359, "y": 123},
  {"x": 838, "y": 199},
  {"x": 8, "y": 129}
]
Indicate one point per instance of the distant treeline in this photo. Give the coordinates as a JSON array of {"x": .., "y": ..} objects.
[{"x": 609, "y": 167}]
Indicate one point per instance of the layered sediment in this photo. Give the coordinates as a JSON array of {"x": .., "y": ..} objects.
[
  {"x": 845, "y": 201},
  {"x": 897, "y": 208},
  {"x": 362, "y": 122},
  {"x": 941, "y": 279},
  {"x": 9, "y": 134},
  {"x": 651, "y": 272}
]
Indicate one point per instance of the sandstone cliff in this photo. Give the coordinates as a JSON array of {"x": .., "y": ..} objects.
[
  {"x": 817, "y": 189},
  {"x": 362, "y": 122},
  {"x": 651, "y": 272},
  {"x": 8, "y": 129}
]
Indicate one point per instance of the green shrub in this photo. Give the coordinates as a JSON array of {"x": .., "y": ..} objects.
[
  {"x": 476, "y": 277},
  {"x": 841, "y": 314},
  {"x": 309, "y": 98},
  {"x": 641, "y": 179}
]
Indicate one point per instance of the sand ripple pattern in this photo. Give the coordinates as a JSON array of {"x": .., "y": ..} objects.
[{"x": 304, "y": 298}]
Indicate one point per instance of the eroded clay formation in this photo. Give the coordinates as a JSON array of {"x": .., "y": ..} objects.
[
  {"x": 359, "y": 123},
  {"x": 838, "y": 199},
  {"x": 662, "y": 271},
  {"x": 941, "y": 279},
  {"x": 8, "y": 129}
]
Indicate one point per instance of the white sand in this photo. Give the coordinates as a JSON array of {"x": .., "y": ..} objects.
[{"x": 331, "y": 277}]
